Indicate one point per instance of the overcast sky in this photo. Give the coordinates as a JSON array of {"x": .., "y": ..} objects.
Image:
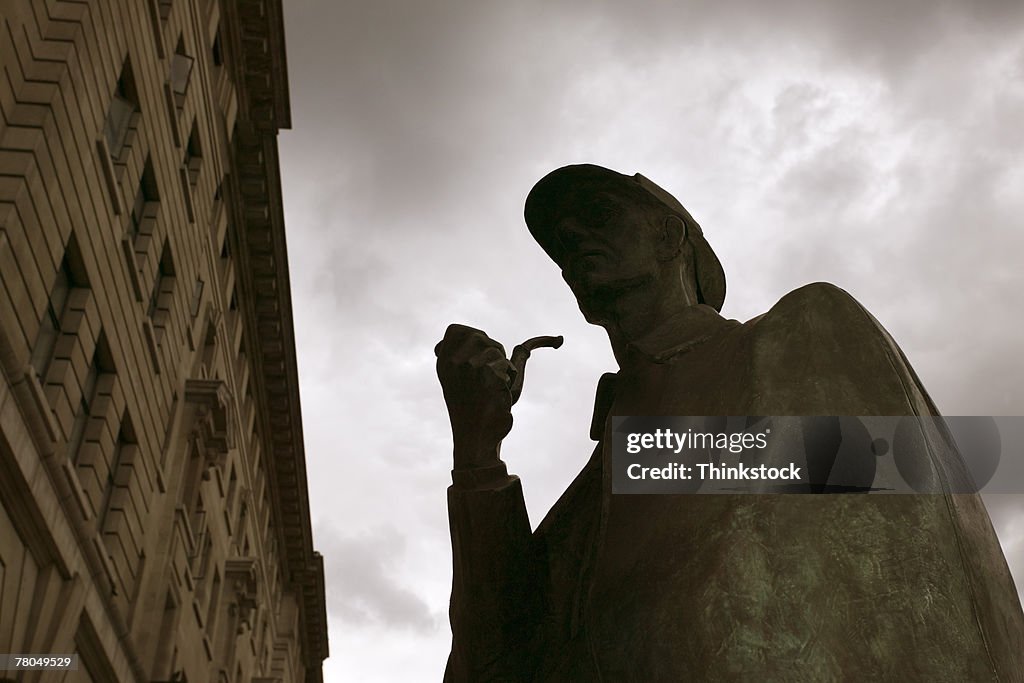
[{"x": 873, "y": 144}]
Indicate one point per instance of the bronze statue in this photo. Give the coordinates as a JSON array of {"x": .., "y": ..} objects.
[{"x": 719, "y": 587}]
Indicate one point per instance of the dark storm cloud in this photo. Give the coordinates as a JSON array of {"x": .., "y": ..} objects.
[
  {"x": 409, "y": 89},
  {"x": 877, "y": 34}
]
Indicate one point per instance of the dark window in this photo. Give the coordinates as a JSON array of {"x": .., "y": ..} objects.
[
  {"x": 126, "y": 440},
  {"x": 102, "y": 363},
  {"x": 190, "y": 498},
  {"x": 165, "y": 8},
  {"x": 163, "y": 293},
  {"x": 146, "y": 203},
  {"x": 181, "y": 72},
  {"x": 200, "y": 529},
  {"x": 197, "y": 297},
  {"x": 211, "y": 609},
  {"x": 209, "y": 357},
  {"x": 123, "y": 105},
  {"x": 217, "y": 50},
  {"x": 49, "y": 327},
  {"x": 229, "y": 506},
  {"x": 70, "y": 275},
  {"x": 193, "y": 160}
]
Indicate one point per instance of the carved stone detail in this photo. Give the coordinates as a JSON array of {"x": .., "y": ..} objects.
[
  {"x": 243, "y": 573},
  {"x": 211, "y": 429}
]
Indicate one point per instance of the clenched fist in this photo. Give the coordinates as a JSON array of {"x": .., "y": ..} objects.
[{"x": 477, "y": 379}]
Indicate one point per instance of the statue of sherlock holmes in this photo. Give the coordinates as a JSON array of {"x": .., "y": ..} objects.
[{"x": 718, "y": 587}]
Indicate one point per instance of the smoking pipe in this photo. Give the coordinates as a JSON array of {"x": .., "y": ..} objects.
[{"x": 521, "y": 353}]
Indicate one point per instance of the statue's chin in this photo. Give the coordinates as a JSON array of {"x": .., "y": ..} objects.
[
  {"x": 600, "y": 302},
  {"x": 602, "y": 319},
  {"x": 596, "y": 307}
]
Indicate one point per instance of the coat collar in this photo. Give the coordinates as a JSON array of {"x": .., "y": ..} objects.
[
  {"x": 674, "y": 336},
  {"x": 678, "y": 334}
]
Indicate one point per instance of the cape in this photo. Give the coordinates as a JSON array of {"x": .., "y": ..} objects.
[{"x": 767, "y": 587}]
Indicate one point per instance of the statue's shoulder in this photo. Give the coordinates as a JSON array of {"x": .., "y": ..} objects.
[
  {"x": 818, "y": 297},
  {"x": 820, "y": 311},
  {"x": 819, "y": 352}
]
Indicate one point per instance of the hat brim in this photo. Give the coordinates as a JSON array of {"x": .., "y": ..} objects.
[{"x": 555, "y": 193}]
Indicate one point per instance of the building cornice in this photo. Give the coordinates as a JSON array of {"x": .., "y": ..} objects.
[{"x": 255, "y": 198}]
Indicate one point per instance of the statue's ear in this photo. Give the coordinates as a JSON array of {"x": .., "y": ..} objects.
[
  {"x": 672, "y": 238},
  {"x": 679, "y": 234},
  {"x": 708, "y": 271}
]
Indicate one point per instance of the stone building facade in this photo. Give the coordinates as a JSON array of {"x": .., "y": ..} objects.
[{"x": 154, "y": 516}]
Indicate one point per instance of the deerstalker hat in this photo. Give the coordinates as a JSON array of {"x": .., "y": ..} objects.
[{"x": 560, "y": 190}]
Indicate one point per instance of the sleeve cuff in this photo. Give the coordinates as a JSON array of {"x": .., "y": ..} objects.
[{"x": 480, "y": 477}]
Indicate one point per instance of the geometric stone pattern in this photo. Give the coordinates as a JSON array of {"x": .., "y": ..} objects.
[{"x": 154, "y": 516}]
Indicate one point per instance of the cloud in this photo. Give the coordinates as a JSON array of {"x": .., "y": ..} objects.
[
  {"x": 1007, "y": 513},
  {"x": 362, "y": 590}
]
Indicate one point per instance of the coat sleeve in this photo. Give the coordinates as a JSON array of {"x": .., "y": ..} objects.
[{"x": 496, "y": 593}]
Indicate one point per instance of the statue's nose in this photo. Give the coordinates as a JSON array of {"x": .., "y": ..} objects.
[{"x": 571, "y": 234}]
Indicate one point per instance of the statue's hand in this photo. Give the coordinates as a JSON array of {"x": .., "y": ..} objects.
[{"x": 476, "y": 378}]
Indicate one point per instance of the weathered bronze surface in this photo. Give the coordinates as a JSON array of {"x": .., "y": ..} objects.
[{"x": 707, "y": 588}]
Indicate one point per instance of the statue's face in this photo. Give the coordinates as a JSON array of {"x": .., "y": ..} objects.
[{"x": 609, "y": 245}]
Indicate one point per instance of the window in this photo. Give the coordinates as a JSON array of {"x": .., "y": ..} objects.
[
  {"x": 147, "y": 199},
  {"x": 181, "y": 73},
  {"x": 264, "y": 643},
  {"x": 217, "y": 49},
  {"x": 209, "y": 358},
  {"x": 211, "y": 608},
  {"x": 117, "y": 475},
  {"x": 70, "y": 275},
  {"x": 93, "y": 665},
  {"x": 189, "y": 171},
  {"x": 203, "y": 542},
  {"x": 49, "y": 326},
  {"x": 142, "y": 216},
  {"x": 193, "y": 160},
  {"x": 197, "y": 297},
  {"x": 242, "y": 373},
  {"x": 229, "y": 506},
  {"x": 126, "y": 441},
  {"x": 162, "y": 296},
  {"x": 190, "y": 498},
  {"x": 123, "y": 105},
  {"x": 165, "y": 8},
  {"x": 243, "y": 513},
  {"x": 102, "y": 363},
  {"x": 82, "y": 414}
]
